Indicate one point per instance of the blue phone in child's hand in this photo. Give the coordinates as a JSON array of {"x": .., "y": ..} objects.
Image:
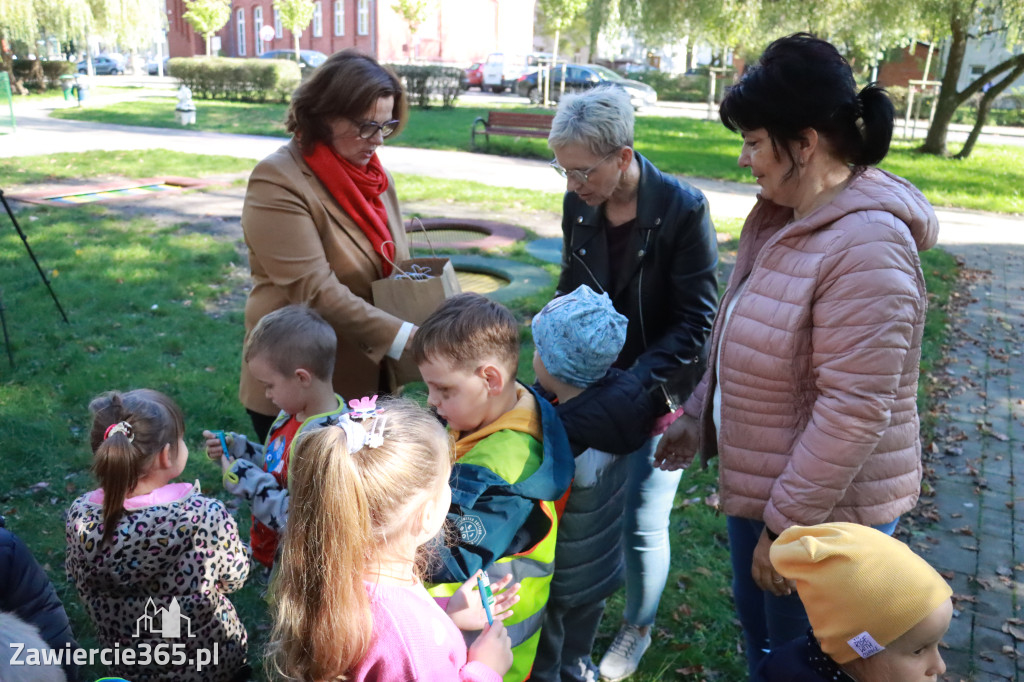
[
  {"x": 223, "y": 442},
  {"x": 483, "y": 583}
]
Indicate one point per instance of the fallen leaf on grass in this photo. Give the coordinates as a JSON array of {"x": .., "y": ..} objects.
[
  {"x": 1015, "y": 631},
  {"x": 964, "y": 530},
  {"x": 712, "y": 500},
  {"x": 41, "y": 485},
  {"x": 691, "y": 670}
]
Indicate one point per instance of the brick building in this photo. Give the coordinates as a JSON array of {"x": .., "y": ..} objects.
[
  {"x": 457, "y": 31},
  {"x": 909, "y": 66}
]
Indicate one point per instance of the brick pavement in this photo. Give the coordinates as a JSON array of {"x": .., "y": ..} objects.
[{"x": 981, "y": 435}]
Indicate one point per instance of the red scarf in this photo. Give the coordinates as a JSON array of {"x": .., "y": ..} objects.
[{"x": 357, "y": 190}]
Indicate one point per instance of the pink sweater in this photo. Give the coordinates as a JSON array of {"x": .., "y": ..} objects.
[{"x": 413, "y": 639}]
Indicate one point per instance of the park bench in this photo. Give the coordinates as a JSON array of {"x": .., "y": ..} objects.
[{"x": 510, "y": 123}]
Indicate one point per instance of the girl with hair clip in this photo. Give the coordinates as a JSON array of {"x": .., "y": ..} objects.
[
  {"x": 348, "y": 602},
  {"x": 153, "y": 559}
]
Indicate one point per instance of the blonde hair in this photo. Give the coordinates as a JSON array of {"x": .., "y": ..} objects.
[
  {"x": 346, "y": 511},
  {"x": 294, "y": 337},
  {"x": 122, "y": 457}
]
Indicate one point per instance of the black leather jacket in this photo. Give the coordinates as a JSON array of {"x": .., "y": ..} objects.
[{"x": 669, "y": 291}]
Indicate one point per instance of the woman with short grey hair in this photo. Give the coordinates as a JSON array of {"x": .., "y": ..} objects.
[{"x": 645, "y": 238}]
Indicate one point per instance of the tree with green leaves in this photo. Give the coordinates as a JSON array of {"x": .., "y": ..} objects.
[
  {"x": 414, "y": 13},
  {"x": 296, "y": 15},
  {"x": 207, "y": 17},
  {"x": 559, "y": 15},
  {"x": 963, "y": 21}
]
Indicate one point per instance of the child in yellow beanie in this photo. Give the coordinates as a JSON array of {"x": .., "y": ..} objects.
[{"x": 877, "y": 610}]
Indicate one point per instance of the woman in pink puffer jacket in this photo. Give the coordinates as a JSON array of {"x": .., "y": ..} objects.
[{"x": 810, "y": 396}]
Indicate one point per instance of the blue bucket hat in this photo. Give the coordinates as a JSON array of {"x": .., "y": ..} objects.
[{"x": 578, "y": 336}]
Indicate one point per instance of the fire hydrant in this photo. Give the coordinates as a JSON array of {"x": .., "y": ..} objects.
[{"x": 186, "y": 109}]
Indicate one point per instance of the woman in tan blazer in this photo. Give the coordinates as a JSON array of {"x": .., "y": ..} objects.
[{"x": 322, "y": 222}]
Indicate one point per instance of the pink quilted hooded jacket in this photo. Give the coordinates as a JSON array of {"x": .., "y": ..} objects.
[{"x": 819, "y": 364}]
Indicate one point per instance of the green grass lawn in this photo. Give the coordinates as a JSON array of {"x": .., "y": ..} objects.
[
  {"x": 992, "y": 179},
  {"x": 26, "y": 170},
  {"x": 152, "y": 307}
]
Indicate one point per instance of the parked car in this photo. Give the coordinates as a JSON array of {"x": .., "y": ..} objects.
[
  {"x": 307, "y": 58},
  {"x": 104, "y": 64},
  {"x": 473, "y": 77},
  {"x": 501, "y": 71},
  {"x": 152, "y": 64},
  {"x": 583, "y": 77}
]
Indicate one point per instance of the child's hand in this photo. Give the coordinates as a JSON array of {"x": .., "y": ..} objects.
[
  {"x": 467, "y": 610},
  {"x": 213, "y": 447},
  {"x": 215, "y": 451},
  {"x": 493, "y": 648}
]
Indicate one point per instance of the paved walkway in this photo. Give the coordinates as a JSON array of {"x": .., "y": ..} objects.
[
  {"x": 974, "y": 542},
  {"x": 981, "y": 422}
]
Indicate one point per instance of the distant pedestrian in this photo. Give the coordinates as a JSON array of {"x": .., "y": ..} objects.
[
  {"x": 810, "y": 399},
  {"x": 877, "y": 610},
  {"x": 142, "y": 545}
]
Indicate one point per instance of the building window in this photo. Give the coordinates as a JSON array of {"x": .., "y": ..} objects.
[
  {"x": 977, "y": 70},
  {"x": 339, "y": 18},
  {"x": 278, "y": 31},
  {"x": 364, "y": 18},
  {"x": 257, "y": 26},
  {"x": 318, "y": 19},
  {"x": 241, "y": 32}
]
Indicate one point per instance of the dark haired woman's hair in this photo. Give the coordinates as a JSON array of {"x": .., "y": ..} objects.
[
  {"x": 122, "y": 457},
  {"x": 347, "y": 85},
  {"x": 803, "y": 82}
]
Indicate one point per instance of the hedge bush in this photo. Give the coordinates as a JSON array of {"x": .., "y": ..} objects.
[
  {"x": 423, "y": 81},
  {"x": 245, "y": 80},
  {"x": 39, "y": 75},
  {"x": 672, "y": 88},
  {"x": 1006, "y": 115}
]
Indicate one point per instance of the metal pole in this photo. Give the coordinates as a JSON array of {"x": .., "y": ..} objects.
[
  {"x": 7, "y": 339},
  {"x": 28, "y": 248}
]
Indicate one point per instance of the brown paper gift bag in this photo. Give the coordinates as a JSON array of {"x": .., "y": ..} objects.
[{"x": 416, "y": 288}]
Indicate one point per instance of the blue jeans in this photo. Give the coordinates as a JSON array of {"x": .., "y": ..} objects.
[
  {"x": 650, "y": 494},
  {"x": 768, "y": 621}
]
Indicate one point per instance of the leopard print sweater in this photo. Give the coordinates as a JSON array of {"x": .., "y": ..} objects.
[{"x": 159, "y": 585}]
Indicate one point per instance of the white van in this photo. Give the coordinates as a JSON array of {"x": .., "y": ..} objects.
[{"x": 501, "y": 71}]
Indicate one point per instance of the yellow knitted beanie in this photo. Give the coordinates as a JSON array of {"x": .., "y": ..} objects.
[{"x": 861, "y": 588}]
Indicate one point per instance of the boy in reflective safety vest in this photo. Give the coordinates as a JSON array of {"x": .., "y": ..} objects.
[{"x": 513, "y": 462}]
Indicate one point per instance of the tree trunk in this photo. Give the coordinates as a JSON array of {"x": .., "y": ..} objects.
[
  {"x": 986, "y": 104},
  {"x": 949, "y": 98},
  {"x": 596, "y": 21},
  {"x": 17, "y": 88},
  {"x": 298, "y": 52}
]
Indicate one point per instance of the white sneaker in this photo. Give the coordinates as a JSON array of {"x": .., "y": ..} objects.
[{"x": 623, "y": 656}]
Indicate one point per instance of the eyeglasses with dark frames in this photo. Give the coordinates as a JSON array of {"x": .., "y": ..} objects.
[
  {"x": 580, "y": 177},
  {"x": 368, "y": 129}
]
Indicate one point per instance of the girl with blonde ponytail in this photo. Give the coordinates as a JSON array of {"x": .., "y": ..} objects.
[
  {"x": 143, "y": 550},
  {"x": 366, "y": 496}
]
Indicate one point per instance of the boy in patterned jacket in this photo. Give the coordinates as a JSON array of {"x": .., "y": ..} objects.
[{"x": 291, "y": 352}]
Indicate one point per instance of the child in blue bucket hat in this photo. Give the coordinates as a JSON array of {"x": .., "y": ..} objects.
[{"x": 577, "y": 339}]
